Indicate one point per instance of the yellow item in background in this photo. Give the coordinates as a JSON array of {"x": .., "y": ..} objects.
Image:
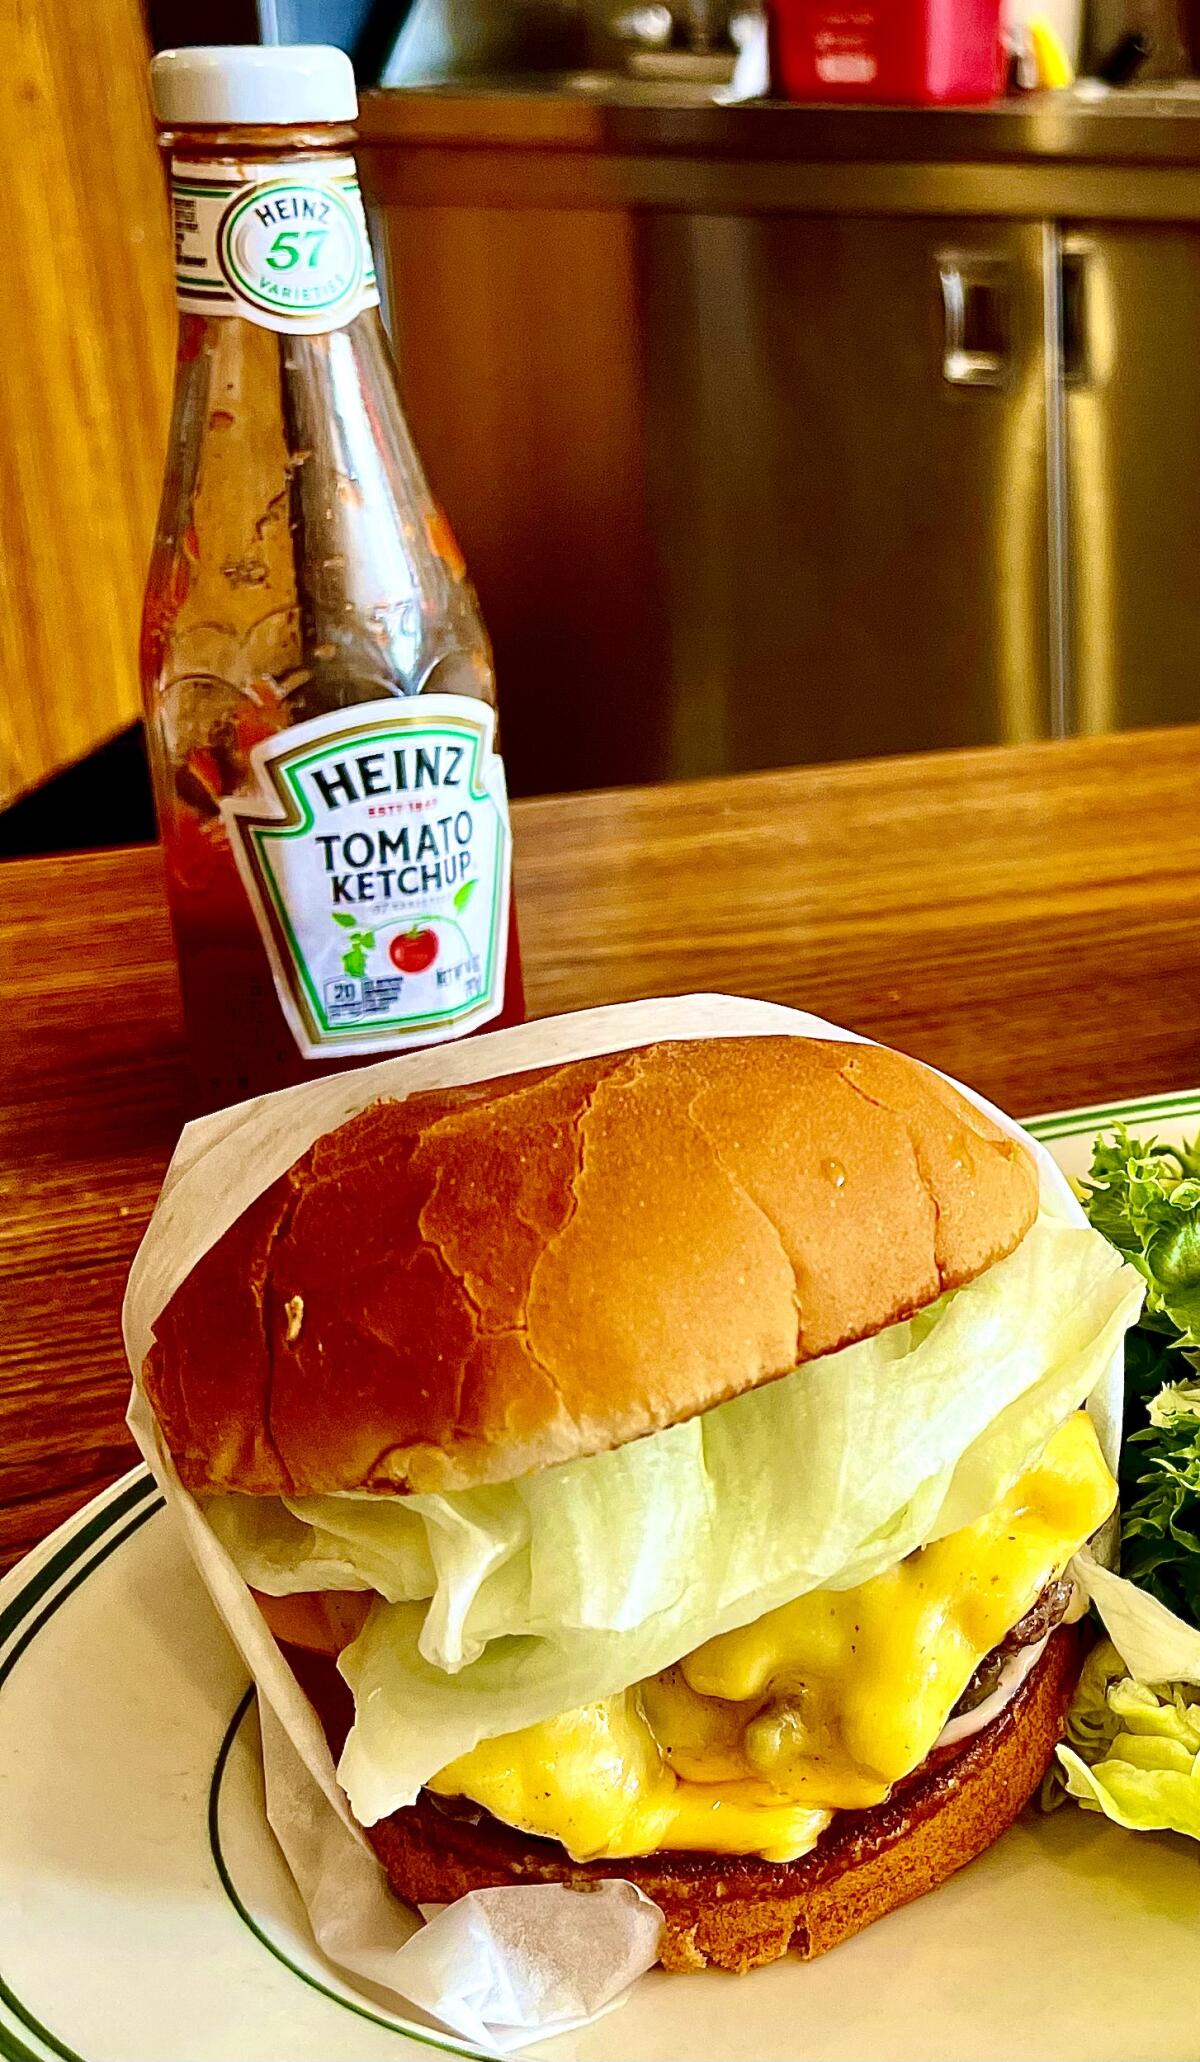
[{"x": 1054, "y": 67}]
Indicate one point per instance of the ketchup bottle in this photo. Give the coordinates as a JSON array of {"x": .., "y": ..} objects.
[{"x": 319, "y": 694}]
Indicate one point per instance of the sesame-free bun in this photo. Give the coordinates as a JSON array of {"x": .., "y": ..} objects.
[{"x": 479, "y": 1281}]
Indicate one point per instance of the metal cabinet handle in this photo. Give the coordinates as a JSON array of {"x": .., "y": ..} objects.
[
  {"x": 1075, "y": 290},
  {"x": 976, "y": 305}
]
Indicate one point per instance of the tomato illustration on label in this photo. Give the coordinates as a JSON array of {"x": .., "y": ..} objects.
[{"x": 413, "y": 951}]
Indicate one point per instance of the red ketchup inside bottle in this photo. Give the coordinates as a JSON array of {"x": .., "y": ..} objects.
[{"x": 319, "y": 693}]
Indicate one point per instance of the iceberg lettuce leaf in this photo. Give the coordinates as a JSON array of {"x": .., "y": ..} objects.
[{"x": 621, "y": 1563}]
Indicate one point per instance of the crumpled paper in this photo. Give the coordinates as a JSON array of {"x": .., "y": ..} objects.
[{"x": 500, "y": 1968}]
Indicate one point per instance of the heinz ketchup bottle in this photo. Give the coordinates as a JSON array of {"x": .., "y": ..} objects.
[{"x": 320, "y": 702}]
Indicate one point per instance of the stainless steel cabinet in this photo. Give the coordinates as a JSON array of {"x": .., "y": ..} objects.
[
  {"x": 728, "y": 495},
  {"x": 1132, "y": 451},
  {"x": 841, "y": 573},
  {"x": 748, "y": 484}
]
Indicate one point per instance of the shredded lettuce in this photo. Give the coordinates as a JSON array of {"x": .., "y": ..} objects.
[
  {"x": 1145, "y": 1199},
  {"x": 1133, "y": 1749},
  {"x": 1133, "y": 1732},
  {"x": 606, "y": 1570}
]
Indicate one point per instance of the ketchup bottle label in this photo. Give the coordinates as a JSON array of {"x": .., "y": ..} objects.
[
  {"x": 282, "y": 245},
  {"x": 377, "y": 857}
]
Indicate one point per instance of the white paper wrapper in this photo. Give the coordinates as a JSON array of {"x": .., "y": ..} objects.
[
  {"x": 500, "y": 1968},
  {"x": 1155, "y": 1645}
]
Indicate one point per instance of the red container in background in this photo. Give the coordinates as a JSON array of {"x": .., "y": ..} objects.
[{"x": 902, "y": 51}]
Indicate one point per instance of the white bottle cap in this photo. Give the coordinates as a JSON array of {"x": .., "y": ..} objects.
[{"x": 278, "y": 84}]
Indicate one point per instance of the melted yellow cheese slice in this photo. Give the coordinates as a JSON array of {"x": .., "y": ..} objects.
[
  {"x": 596, "y": 1781},
  {"x": 750, "y": 1742}
]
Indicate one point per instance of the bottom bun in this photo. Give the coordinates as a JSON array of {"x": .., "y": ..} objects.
[{"x": 736, "y": 1912}]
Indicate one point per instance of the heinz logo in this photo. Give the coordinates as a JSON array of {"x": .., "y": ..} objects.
[
  {"x": 403, "y": 770},
  {"x": 293, "y": 207}
]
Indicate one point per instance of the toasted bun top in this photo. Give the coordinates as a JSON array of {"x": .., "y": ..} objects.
[{"x": 479, "y": 1281}]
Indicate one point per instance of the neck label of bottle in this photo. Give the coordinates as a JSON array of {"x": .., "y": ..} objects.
[
  {"x": 284, "y": 245},
  {"x": 377, "y": 857}
]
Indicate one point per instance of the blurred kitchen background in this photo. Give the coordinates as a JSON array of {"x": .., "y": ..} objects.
[{"x": 771, "y": 432}]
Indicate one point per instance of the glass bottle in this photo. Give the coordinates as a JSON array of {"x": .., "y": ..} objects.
[{"x": 318, "y": 685}]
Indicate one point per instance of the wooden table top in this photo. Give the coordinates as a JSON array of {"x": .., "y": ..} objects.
[{"x": 1027, "y": 918}]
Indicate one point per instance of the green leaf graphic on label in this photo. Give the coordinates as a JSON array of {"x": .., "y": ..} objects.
[
  {"x": 465, "y": 893},
  {"x": 354, "y": 959}
]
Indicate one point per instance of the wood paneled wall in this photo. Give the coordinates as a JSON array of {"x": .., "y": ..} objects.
[{"x": 85, "y": 370}]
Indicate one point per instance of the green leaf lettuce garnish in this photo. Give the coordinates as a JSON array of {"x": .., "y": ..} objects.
[
  {"x": 1132, "y": 1749},
  {"x": 1145, "y": 1198}
]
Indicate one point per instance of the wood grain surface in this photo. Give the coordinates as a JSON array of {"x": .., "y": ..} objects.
[
  {"x": 85, "y": 375},
  {"x": 1027, "y": 918}
]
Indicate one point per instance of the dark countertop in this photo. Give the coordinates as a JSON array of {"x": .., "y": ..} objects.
[{"x": 1136, "y": 126}]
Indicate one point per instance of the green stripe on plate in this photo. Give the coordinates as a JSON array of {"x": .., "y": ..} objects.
[
  {"x": 1145, "y": 1110},
  {"x": 31, "y": 1631},
  {"x": 32, "y": 1591},
  {"x": 106, "y": 1530},
  {"x": 444, "y": 2043},
  {"x": 18, "y": 2052},
  {"x": 12, "y": 2048}
]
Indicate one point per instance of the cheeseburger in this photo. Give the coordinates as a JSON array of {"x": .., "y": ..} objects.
[{"x": 664, "y": 1465}]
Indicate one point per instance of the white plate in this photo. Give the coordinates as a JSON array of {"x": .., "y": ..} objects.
[{"x": 146, "y": 1915}]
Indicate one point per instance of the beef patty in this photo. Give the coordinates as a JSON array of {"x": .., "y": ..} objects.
[{"x": 1041, "y": 1618}]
